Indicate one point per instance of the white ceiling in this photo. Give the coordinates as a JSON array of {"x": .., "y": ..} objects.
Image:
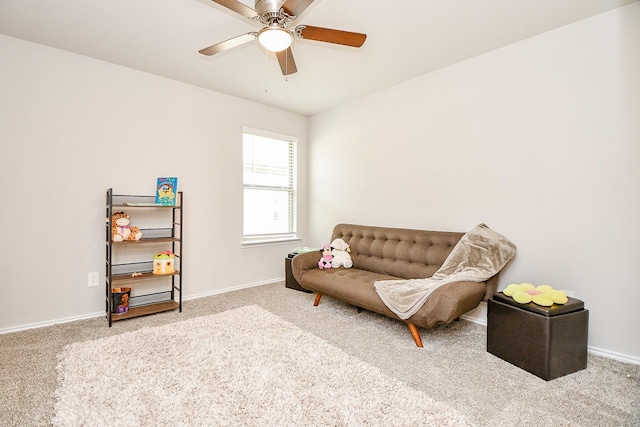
[{"x": 405, "y": 39}]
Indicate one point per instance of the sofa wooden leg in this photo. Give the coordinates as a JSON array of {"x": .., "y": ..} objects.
[
  {"x": 317, "y": 301},
  {"x": 415, "y": 334}
]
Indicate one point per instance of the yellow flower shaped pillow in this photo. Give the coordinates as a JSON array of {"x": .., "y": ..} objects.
[{"x": 543, "y": 295}]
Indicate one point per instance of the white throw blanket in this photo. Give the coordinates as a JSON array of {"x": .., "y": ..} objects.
[{"x": 480, "y": 254}]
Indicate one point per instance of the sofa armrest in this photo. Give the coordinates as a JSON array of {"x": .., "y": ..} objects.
[
  {"x": 492, "y": 287},
  {"x": 304, "y": 261}
]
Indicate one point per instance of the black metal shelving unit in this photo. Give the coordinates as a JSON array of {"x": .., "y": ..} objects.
[{"x": 122, "y": 274}]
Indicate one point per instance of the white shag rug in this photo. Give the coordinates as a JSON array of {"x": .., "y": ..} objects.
[{"x": 242, "y": 367}]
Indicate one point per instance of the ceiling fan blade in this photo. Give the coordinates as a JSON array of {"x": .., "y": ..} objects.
[
  {"x": 237, "y": 7},
  {"x": 287, "y": 64},
  {"x": 328, "y": 35},
  {"x": 228, "y": 44},
  {"x": 296, "y": 7}
]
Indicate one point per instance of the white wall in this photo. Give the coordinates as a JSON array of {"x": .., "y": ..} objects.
[
  {"x": 72, "y": 126},
  {"x": 540, "y": 140}
]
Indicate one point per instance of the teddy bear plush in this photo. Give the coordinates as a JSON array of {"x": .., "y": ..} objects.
[
  {"x": 121, "y": 229},
  {"x": 340, "y": 251},
  {"x": 327, "y": 257}
]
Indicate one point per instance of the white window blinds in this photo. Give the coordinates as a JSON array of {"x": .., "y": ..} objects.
[{"x": 269, "y": 186}]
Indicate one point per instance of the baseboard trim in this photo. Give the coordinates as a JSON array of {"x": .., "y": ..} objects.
[
  {"x": 614, "y": 355},
  {"x": 478, "y": 316},
  {"x": 44, "y": 324},
  {"x": 233, "y": 288},
  {"x": 38, "y": 325},
  {"x": 475, "y": 319}
]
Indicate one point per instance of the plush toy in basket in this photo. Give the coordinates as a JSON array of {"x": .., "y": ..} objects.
[{"x": 121, "y": 229}]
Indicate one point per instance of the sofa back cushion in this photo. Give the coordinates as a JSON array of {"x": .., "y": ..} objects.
[{"x": 400, "y": 252}]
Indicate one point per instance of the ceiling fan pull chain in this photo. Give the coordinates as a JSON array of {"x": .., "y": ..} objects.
[{"x": 266, "y": 53}]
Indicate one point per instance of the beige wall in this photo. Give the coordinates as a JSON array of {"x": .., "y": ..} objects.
[
  {"x": 540, "y": 140},
  {"x": 72, "y": 126}
]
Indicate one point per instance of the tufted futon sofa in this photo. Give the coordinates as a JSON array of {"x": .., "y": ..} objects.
[{"x": 381, "y": 253}]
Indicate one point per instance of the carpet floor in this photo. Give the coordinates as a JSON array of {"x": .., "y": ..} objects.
[
  {"x": 453, "y": 367},
  {"x": 244, "y": 366}
]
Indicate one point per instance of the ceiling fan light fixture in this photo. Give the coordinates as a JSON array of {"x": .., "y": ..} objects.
[{"x": 275, "y": 38}]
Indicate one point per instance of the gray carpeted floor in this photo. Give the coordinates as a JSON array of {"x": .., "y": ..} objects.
[{"x": 453, "y": 367}]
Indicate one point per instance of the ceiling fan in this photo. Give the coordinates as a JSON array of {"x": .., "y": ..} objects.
[{"x": 276, "y": 17}]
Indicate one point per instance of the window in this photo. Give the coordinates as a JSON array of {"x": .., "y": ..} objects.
[{"x": 269, "y": 186}]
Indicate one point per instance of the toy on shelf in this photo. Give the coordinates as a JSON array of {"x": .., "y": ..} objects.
[
  {"x": 163, "y": 263},
  {"x": 120, "y": 300},
  {"x": 121, "y": 229}
]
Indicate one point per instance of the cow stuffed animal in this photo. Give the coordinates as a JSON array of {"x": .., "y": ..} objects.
[{"x": 327, "y": 257}]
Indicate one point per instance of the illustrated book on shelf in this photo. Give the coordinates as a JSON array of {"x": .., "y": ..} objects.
[{"x": 166, "y": 190}]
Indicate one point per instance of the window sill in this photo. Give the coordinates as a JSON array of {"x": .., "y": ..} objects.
[{"x": 268, "y": 242}]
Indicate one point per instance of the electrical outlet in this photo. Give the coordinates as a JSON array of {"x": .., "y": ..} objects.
[{"x": 92, "y": 279}]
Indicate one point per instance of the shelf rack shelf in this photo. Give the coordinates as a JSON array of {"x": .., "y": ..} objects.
[{"x": 132, "y": 274}]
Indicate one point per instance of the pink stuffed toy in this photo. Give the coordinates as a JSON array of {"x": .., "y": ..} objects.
[{"x": 327, "y": 257}]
